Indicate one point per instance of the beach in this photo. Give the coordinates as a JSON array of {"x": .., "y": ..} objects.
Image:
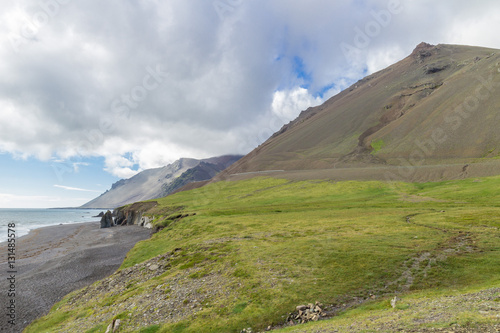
[{"x": 53, "y": 261}]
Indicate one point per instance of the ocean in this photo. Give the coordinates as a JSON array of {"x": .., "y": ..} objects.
[{"x": 29, "y": 219}]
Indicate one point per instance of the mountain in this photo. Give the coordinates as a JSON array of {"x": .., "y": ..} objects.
[
  {"x": 437, "y": 108},
  {"x": 159, "y": 182}
]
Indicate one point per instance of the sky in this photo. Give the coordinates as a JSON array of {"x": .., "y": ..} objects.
[{"x": 94, "y": 91}]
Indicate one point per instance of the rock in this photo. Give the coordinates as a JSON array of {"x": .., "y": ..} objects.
[
  {"x": 306, "y": 313},
  {"x": 393, "y": 301},
  {"x": 134, "y": 217},
  {"x": 120, "y": 217},
  {"x": 153, "y": 267},
  {"x": 301, "y": 307},
  {"x": 101, "y": 214},
  {"x": 434, "y": 68},
  {"x": 116, "y": 325},
  {"x": 146, "y": 222},
  {"x": 107, "y": 220}
]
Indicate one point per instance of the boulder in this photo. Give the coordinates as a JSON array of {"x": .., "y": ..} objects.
[
  {"x": 146, "y": 222},
  {"x": 114, "y": 326},
  {"x": 107, "y": 220},
  {"x": 101, "y": 214},
  {"x": 394, "y": 301}
]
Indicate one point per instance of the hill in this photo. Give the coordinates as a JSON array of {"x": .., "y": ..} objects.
[
  {"x": 159, "y": 182},
  {"x": 438, "y": 107},
  {"x": 245, "y": 254}
]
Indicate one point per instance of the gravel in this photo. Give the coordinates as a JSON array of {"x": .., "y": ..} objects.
[{"x": 54, "y": 261}]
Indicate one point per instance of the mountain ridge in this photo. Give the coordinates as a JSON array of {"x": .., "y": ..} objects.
[{"x": 159, "y": 182}]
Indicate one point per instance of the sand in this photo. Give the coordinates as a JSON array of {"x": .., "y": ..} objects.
[{"x": 53, "y": 261}]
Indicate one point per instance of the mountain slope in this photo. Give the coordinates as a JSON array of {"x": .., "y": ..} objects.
[
  {"x": 438, "y": 106},
  {"x": 159, "y": 182}
]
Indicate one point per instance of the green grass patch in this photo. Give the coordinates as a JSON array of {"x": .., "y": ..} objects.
[
  {"x": 377, "y": 145},
  {"x": 150, "y": 329},
  {"x": 240, "y": 307},
  {"x": 49, "y": 323}
]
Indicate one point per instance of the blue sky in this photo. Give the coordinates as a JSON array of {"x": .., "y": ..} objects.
[
  {"x": 92, "y": 92},
  {"x": 32, "y": 183}
]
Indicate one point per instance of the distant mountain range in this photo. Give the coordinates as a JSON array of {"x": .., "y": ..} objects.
[
  {"x": 437, "y": 109},
  {"x": 159, "y": 182}
]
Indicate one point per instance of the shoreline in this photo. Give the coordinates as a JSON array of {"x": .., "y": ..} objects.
[{"x": 52, "y": 261}]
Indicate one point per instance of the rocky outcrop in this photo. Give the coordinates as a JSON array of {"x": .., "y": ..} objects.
[
  {"x": 107, "y": 220},
  {"x": 120, "y": 216},
  {"x": 146, "y": 222},
  {"x": 305, "y": 313},
  {"x": 128, "y": 217},
  {"x": 114, "y": 326},
  {"x": 133, "y": 214}
]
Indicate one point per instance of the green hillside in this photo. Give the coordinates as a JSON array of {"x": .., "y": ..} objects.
[{"x": 256, "y": 249}]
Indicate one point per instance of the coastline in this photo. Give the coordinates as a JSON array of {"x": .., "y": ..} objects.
[{"x": 52, "y": 261}]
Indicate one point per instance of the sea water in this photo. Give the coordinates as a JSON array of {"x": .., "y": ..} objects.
[{"x": 29, "y": 219}]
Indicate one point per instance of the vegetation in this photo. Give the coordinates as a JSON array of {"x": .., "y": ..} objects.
[
  {"x": 377, "y": 145},
  {"x": 258, "y": 248}
]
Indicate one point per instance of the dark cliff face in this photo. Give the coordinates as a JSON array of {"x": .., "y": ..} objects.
[{"x": 201, "y": 172}]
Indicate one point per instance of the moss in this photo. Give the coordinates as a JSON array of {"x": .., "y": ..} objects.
[{"x": 377, "y": 145}]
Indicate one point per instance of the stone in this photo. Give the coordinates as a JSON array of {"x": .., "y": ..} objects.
[
  {"x": 134, "y": 217},
  {"x": 306, "y": 313},
  {"x": 120, "y": 217},
  {"x": 393, "y": 301},
  {"x": 101, "y": 214},
  {"x": 107, "y": 220},
  {"x": 301, "y": 308},
  {"x": 116, "y": 325}
]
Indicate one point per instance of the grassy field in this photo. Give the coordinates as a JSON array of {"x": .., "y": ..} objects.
[{"x": 256, "y": 249}]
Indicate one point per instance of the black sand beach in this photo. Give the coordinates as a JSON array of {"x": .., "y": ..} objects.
[{"x": 53, "y": 261}]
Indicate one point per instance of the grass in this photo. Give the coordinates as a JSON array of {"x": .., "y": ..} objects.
[
  {"x": 276, "y": 244},
  {"x": 447, "y": 309},
  {"x": 377, "y": 145}
]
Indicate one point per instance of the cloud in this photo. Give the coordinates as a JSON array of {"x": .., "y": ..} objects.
[
  {"x": 144, "y": 83},
  {"x": 74, "y": 189},
  {"x": 288, "y": 104}
]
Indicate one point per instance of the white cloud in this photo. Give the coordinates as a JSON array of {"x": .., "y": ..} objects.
[
  {"x": 80, "y": 85},
  {"x": 75, "y": 189},
  {"x": 382, "y": 58},
  {"x": 288, "y": 104}
]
